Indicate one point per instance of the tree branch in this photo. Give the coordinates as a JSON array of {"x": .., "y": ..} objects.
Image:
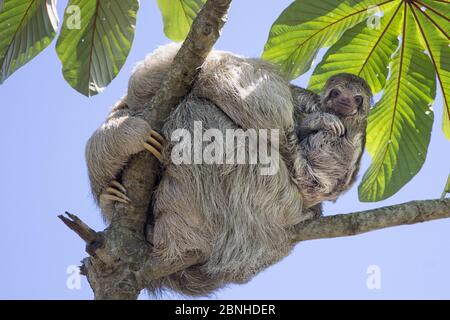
[
  {"x": 79, "y": 227},
  {"x": 342, "y": 225},
  {"x": 120, "y": 263}
]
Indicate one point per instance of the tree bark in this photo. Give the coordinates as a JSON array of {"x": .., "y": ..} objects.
[
  {"x": 120, "y": 262},
  {"x": 342, "y": 225}
]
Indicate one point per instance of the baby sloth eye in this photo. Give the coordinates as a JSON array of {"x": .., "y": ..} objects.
[
  {"x": 359, "y": 100},
  {"x": 335, "y": 93}
]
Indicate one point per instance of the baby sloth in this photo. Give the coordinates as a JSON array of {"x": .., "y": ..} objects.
[
  {"x": 234, "y": 219},
  {"x": 331, "y": 129}
]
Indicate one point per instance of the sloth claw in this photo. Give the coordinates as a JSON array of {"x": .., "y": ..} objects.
[
  {"x": 119, "y": 186},
  {"x": 158, "y": 136},
  {"x": 116, "y": 192},
  {"x": 154, "y": 144},
  {"x": 339, "y": 129}
]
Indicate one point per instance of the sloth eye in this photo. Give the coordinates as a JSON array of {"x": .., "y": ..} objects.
[
  {"x": 358, "y": 100},
  {"x": 335, "y": 93}
]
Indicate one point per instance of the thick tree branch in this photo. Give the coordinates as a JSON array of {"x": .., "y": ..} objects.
[
  {"x": 202, "y": 36},
  {"x": 342, "y": 225},
  {"x": 120, "y": 263}
]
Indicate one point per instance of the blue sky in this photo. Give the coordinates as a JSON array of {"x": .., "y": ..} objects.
[{"x": 42, "y": 137}]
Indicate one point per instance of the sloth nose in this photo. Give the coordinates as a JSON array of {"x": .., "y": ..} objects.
[{"x": 344, "y": 99}]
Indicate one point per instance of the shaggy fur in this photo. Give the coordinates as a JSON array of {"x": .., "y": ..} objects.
[
  {"x": 235, "y": 218},
  {"x": 331, "y": 162}
]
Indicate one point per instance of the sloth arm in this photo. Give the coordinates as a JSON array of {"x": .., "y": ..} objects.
[{"x": 111, "y": 145}]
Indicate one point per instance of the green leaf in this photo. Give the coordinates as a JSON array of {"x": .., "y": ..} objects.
[
  {"x": 94, "y": 42},
  {"x": 308, "y": 25},
  {"x": 440, "y": 7},
  {"x": 400, "y": 124},
  {"x": 26, "y": 28},
  {"x": 363, "y": 50},
  {"x": 178, "y": 16},
  {"x": 433, "y": 20},
  {"x": 446, "y": 188}
]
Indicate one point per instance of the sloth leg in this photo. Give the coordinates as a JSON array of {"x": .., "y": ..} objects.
[
  {"x": 115, "y": 192},
  {"x": 154, "y": 144}
]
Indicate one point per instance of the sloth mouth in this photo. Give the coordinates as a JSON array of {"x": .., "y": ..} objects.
[
  {"x": 344, "y": 108},
  {"x": 343, "y": 105}
]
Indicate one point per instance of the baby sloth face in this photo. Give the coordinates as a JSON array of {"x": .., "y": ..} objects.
[
  {"x": 347, "y": 95},
  {"x": 345, "y": 102}
]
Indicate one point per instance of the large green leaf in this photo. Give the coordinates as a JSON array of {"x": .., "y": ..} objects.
[
  {"x": 178, "y": 16},
  {"x": 399, "y": 127},
  {"x": 93, "y": 54},
  {"x": 362, "y": 50},
  {"x": 26, "y": 28},
  {"x": 434, "y": 24},
  {"x": 308, "y": 25}
]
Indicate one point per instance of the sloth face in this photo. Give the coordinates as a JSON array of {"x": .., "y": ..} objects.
[
  {"x": 344, "y": 102},
  {"x": 347, "y": 95}
]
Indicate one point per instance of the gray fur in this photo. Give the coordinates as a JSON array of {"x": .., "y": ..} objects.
[
  {"x": 330, "y": 162},
  {"x": 110, "y": 147},
  {"x": 235, "y": 218}
]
